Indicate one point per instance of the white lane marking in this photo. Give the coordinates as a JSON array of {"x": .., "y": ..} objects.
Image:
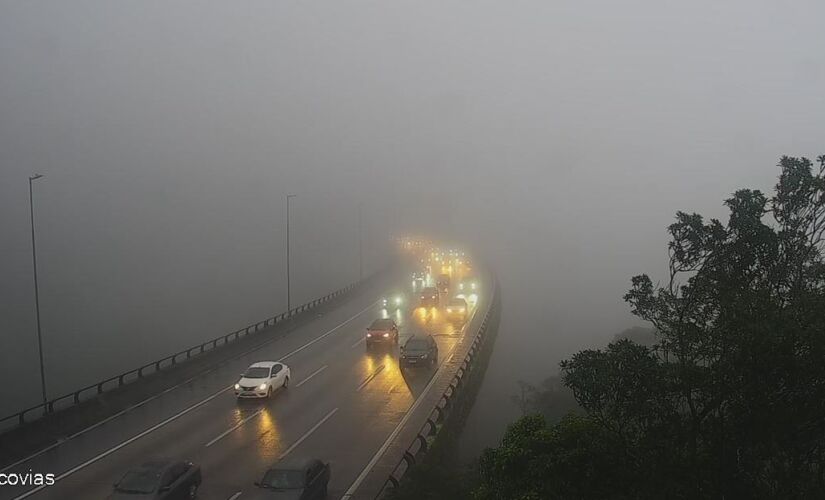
[
  {"x": 228, "y": 431},
  {"x": 369, "y": 379},
  {"x": 308, "y": 433},
  {"x": 166, "y": 391},
  {"x": 316, "y": 372},
  {"x": 354, "y": 486},
  {"x": 124, "y": 443},
  {"x": 180, "y": 414},
  {"x": 360, "y": 341},
  {"x": 236, "y": 495}
]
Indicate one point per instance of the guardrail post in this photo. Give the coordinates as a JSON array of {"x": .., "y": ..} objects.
[{"x": 423, "y": 441}]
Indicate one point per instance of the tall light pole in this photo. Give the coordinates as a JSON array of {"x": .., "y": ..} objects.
[
  {"x": 288, "y": 291},
  {"x": 37, "y": 293},
  {"x": 360, "y": 247}
]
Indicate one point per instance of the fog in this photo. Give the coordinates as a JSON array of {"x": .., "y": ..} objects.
[{"x": 556, "y": 139}]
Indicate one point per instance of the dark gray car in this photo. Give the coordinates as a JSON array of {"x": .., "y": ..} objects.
[
  {"x": 418, "y": 350},
  {"x": 294, "y": 480},
  {"x": 159, "y": 480}
]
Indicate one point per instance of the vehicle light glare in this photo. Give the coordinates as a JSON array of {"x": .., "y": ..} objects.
[
  {"x": 237, "y": 387},
  {"x": 262, "y": 386}
]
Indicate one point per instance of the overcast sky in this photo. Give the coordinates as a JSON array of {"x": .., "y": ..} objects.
[{"x": 557, "y": 138}]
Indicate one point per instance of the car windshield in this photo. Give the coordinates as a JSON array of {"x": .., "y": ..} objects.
[
  {"x": 257, "y": 372},
  {"x": 283, "y": 479},
  {"x": 381, "y": 324},
  {"x": 139, "y": 481},
  {"x": 416, "y": 344}
]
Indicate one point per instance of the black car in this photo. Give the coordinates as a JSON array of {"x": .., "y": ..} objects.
[
  {"x": 419, "y": 350},
  {"x": 428, "y": 297},
  {"x": 159, "y": 479},
  {"x": 382, "y": 330},
  {"x": 294, "y": 480}
]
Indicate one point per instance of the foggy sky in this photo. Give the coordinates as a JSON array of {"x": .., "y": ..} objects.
[{"x": 556, "y": 138}]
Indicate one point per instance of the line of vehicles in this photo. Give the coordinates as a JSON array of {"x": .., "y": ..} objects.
[
  {"x": 309, "y": 479},
  {"x": 179, "y": 480}
]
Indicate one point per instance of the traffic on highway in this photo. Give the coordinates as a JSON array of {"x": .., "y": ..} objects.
[{"x": 302, "y": 416}]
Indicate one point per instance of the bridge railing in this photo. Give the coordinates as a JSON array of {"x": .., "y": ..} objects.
[
  {"x": 75, "y": 397},
  {"x": 446, "y": 403}
]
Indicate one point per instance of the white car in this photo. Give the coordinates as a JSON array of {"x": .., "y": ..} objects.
[{"x": 262, "y": 379}]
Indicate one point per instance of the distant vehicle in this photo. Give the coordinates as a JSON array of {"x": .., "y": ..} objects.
[
  {"x": 161, "y": 480},
  {"x": 419, "y": 350},
  {"x": 382, "y": 331},
  {"x": 261, "y": 380},
  {"x": 294, "y": 480},
  {"x": 457, "y": 309},
  {"x": 428, "y": 297},
  {"x": 419, "y": 279},
  {"x": 392, "y": 303},
  {"x": 443, "y": 282},
  {"x": 468, "y": 286}
]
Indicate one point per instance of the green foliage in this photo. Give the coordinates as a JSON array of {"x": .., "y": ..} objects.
[
  {"x": 573, "y": 459},
  {"x": 729, "y": 401}
]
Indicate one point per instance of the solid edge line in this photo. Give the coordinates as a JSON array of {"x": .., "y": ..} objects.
[
  {"x": 178, "y": 415},
  {"x": 156, "y": 396},
  {"x": 357, "y": 483}
]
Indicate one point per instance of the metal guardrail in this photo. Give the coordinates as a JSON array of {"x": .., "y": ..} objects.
[
  {"x": 445, "y": 404},
  {"x": 93, "y": 390}
]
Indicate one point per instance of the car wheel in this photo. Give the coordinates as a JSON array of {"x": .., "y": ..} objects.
[
  {"x": 269, "y": 392},
  {"x": 193, "y": 491},
  {"x": 286, "y": 382}
]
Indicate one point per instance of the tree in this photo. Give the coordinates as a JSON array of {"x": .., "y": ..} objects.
[{"x": 729, "y": 401}]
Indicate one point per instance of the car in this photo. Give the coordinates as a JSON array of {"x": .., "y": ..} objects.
[
  {"x": 392, "y": 303},
  {"x": 457, "y": 309},
  {"x": 419, "y": 279},
  {"x": 428, "y": 297},
  {"x": 382, "y": 331},
  {"x": 298, "y": 480},
  {"x": 468, "y": 286},
  {"x": 261, "y": 379},
  {"x": 443, "y": 282},
  {"x": 159, "y": 479},
  {"x": 419, "y": 350}
]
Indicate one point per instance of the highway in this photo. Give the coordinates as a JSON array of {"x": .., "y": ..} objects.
[{"x": 342, "y": 404}]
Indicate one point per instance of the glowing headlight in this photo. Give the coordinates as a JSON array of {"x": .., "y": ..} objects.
[
  {"x": 473, "y": 286},
  {"x": 423, "y": 356},
  {"x": 386, "y": 335},
  {"x": 449, "y": 309},
  {"x": 398, "y": 301},
  {"x": 461, "y": 286},
  {"x": 369, "y": 335},
  {"x": 262, "y": 386},
  {"x": 237, "y": 387}
]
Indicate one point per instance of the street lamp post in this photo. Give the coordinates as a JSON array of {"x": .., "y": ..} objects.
[
  {"x": 288, "y": 291},
  {"x": 360, "y": 247},
  {"x": 37, "y": 293}
]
